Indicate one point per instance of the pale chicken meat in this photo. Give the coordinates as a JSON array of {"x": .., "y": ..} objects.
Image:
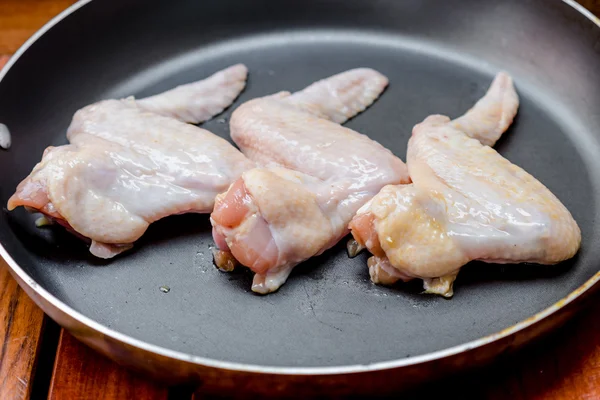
[
  {"x": 314, "y": 175},
  {"x": 131, "y": 162},
  {"x": 466, "y": 202},
  {"x": 199, "y": 101},
  {"x": 493, "y": 114}
]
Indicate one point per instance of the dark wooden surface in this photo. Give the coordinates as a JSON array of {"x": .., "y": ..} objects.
[{"x": 39, "y": 361}]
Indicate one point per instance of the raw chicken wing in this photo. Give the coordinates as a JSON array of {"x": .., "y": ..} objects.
[
  {"x": 129, "y": 163},
  {"x": 315, "y": 175},
  {"x": 466, "y": 203}
]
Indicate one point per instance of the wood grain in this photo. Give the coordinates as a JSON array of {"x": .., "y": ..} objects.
[
  {"x": 81, "y": 374},
  {"x": 20, "y": 335}
]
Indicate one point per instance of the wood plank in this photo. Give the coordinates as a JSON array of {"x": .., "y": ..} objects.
[
  {"x": 81, "y": 374},
  {"x": 20, "y": 334},
  {"x": 19, "y": 19}
]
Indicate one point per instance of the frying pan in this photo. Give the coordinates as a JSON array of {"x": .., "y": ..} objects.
[{"x": 328, "y": 328}]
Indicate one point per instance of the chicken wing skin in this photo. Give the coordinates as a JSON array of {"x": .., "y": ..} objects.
[
  {"x": 199, "y": 101},
  {"x": 314, "y": 175},
  {"x": 491, "y": 116},
  {"x": 129, "y": 164}
]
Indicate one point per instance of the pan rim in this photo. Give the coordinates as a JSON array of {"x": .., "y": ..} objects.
[{"x": 25, "y": 279}]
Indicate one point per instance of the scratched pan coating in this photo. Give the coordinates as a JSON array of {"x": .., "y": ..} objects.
[{"x": 328, "y": 320}]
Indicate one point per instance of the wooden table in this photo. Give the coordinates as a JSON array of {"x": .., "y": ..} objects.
[{"x": 38, "y": 359}]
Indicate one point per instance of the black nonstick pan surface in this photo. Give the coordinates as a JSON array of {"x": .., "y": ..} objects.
[{"x": 329, "y": 319}]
